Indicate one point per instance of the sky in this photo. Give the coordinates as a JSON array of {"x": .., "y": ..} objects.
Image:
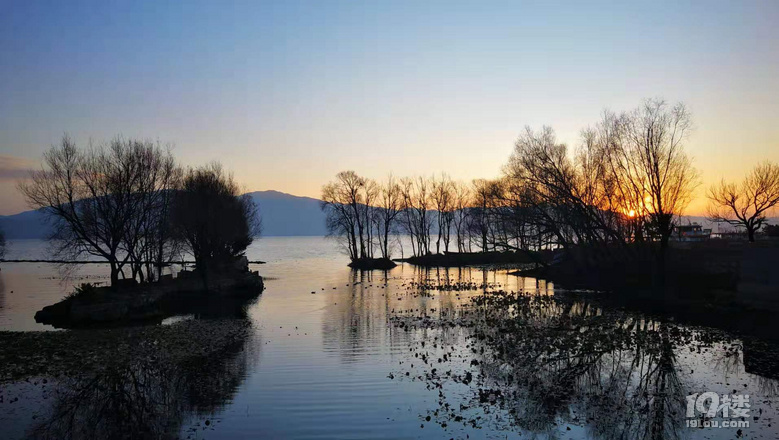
[{"x": 286, "y": 94}]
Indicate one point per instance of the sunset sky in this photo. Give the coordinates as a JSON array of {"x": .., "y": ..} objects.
[{"x": 286, "y": 94}]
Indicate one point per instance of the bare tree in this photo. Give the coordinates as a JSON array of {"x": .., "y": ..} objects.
[
  {"x": 746, "y": 204},
  {"x": 340, "y": 220},
  {"x": 99, "y": 199},
  {"x": 416, "y": 209},
  {"x": 409, "y": 223},
  {"x": 390, "y": 205},
  {"x": 344, "y": 201},
  {"x": 149, "y": 242},
  {"x": 443, "y": 203},
  {"x": 630, "y": 178},
  {"x": 652, "y": 160},
  {"x": 462, "y": 201},
  {"x": 370, "y": 192},
  {"x": 517, "y": 222},
  {"x": 541, "y": 170},
  {"x": 482, "y": 212}
]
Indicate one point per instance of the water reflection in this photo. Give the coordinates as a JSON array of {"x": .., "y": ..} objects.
[
  {"x": 149, "y": 397},
  {"x": 544, "y": 362},
  {"x": 539, "y": 363},
  {"x": 357, "y": 321}
]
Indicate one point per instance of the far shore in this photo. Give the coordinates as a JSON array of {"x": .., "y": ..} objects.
[{"x": 183, "y": 262}]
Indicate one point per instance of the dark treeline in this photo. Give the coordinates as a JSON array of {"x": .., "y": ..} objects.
[
  {"x": 437, "y": 213},
  {"x": 130, "y": 203},
  {"x": 626, "y": 184}
]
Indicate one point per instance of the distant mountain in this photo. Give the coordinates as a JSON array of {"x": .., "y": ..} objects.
[
  {"x": 28, "y": 224},
  {"x": 286, "y": 215},
  {"x": 282, "y": 215}
]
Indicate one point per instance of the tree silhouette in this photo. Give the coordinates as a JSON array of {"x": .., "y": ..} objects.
[
  {"x": 746, "y": 205},
  {"x": 215, "y": 222},
  {"x": 105, "y": 200}
]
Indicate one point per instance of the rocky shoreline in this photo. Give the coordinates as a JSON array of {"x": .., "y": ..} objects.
[
  {"x": 93, "y": 306},
  {"x": 78, "y": 352}
]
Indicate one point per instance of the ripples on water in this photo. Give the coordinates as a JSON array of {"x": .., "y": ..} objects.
[{"x": 340, "y": 354}]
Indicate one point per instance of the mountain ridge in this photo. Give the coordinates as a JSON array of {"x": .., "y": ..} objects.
[{"x": 282, "y": 215}]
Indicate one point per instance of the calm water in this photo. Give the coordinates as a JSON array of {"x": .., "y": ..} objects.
[{"x": 406, "y": 354}]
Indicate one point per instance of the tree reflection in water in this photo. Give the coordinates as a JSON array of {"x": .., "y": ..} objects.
[
  {"x": 148, "y": 397},
  {"x": 539, "y": 362},
  {"x": 358, "y": 320}
]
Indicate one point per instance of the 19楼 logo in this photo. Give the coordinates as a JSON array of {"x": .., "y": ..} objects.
[{"x": 703, "y": 408}]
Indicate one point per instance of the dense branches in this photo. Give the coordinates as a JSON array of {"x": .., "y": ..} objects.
[
  {"x": 365, "y": 215},
  {"x": 617, "y": 197},
  {"x": 443, "y": 203},
  {"x": 653, "y": 162},
  {"x": 214, "y": 221},
  {"x": 389, "y": 207},
  {"x": 628, "y": 182},
  {"x": 128, "y": 202},
  {"x": 343, "y": 201},
  {"x": 418, "y": 219},
  {"x": 105, "y": 200},
  {"x": 746, "y": 204}
]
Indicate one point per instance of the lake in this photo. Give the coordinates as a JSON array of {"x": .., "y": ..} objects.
[{"x": 410, "y": 353}]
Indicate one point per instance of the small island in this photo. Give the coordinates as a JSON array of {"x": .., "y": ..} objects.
[
  {"x": 372, "y": 264},
  {"x": 133, "y": 303},
  {"x": 129, "y": 203},
  {"x": 487, "y": 258}
]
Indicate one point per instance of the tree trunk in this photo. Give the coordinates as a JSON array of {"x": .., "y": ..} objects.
[
  {"x": 353, "y": 243},
  {"x": 114, "y": 272},
  {"x": 160, "y": 252},
  {"x": 660, "y": 275},
  {"x": 361, "y": 233},
  {"x": 386, "y": 242},
  {"x": 203, "y": 268}
]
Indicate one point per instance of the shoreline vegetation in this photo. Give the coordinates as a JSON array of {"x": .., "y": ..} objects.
[
  {"x": 461, "y": 259},
  {"x": 131, "y": 204},
  {"x": 182, "y": 263},
  {"x": 603, "y": 215},
  {"x": 90, "y": 306}
]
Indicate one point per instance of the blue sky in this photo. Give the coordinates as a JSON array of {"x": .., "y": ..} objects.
[{"x": 286, "y": 94}]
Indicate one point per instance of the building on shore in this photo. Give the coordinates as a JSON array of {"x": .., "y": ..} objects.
[{"x": 691, "y": 232}]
